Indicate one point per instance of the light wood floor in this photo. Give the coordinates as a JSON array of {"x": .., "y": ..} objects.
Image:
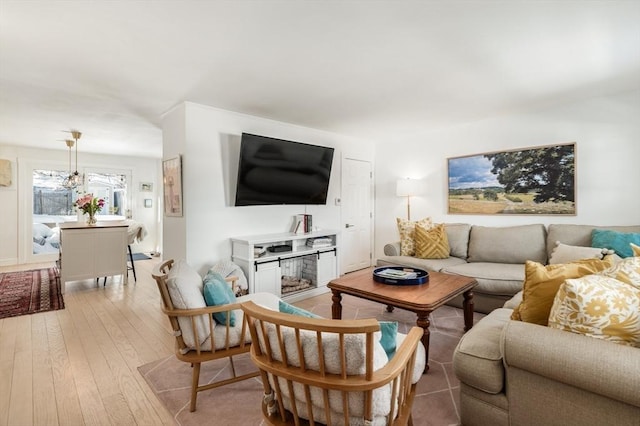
[{"x": 78, "y": 365}]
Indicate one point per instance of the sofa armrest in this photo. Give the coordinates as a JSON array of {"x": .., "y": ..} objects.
[
  {"x": 596, "y": 366},
  {"x": 392, "y": 249}
]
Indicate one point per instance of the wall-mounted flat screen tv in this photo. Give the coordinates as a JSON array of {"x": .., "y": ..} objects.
[{"x": 276, "y": 171}]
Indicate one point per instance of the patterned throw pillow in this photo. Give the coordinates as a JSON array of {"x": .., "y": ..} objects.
[
  {"x": 541, "y": 283},
  {"x": 406, "y": 229},
  {"x": 431, "y": 243},
  {"x": 627, "y": 270},
  {"x": 600, "y": 307}
]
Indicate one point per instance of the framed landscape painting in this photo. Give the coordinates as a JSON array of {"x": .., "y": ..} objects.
[{"x": 539, "y": 180}]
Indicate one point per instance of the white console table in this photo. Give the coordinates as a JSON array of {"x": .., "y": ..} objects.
[
  {"x": 92, "y": 251},
  {"x": 264, "y": 272}
]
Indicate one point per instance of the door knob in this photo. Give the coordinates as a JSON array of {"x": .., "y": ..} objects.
[{"x": 348, "y": 225}]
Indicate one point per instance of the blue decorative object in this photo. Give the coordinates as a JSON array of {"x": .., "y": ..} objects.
[
  {"x": 400, "y": 275},
  {"x": 389, "y": 330},
  {"x": 294, "y": 310},
  {"x": 218, "y": 292},
  {"x": 617, "y": 241}
]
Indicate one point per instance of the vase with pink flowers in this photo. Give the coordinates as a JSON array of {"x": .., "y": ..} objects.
[{"x": 90, "y": 205}]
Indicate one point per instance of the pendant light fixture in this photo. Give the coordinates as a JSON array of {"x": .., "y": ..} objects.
[{"x": 73, "y": 180}]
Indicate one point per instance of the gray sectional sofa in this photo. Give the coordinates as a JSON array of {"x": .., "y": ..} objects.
[
  {"x": 516, "y": 373},
  {"x": 495, "y": 256}
]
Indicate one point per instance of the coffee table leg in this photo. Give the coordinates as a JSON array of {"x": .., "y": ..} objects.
[
  {"x": 467, "y": 307},
  {"x": 389, "y": 308},
  {"x": 424, "y": 323},
  {"x": 336, "y": 307}
]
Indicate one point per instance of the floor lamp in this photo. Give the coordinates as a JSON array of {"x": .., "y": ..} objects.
[{"x": 407, "y": 188}]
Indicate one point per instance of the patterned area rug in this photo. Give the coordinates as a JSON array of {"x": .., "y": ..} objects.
[
  {"x": 437, "y": 396},
  {"x": 29, "y": 292}
]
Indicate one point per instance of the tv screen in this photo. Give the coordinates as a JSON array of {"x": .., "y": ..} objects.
[{"x": 276, "y": 171}]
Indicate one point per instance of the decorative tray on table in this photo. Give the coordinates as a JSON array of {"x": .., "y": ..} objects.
[{"x": 399, "y": 275}]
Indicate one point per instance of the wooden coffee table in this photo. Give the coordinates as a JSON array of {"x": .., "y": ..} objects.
[{"x": 421, "y": 299}]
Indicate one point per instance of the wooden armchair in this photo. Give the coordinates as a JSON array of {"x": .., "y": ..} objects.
[
  {"x": 332, "y": 372},
  {"x": 198, "y": 337}
]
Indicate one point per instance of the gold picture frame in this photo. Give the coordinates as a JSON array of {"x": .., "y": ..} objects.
[
  {"x": 530, "y": 181},
  {"x": 172, "y": 186}
]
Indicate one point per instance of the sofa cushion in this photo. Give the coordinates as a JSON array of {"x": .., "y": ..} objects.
[
  {"x": 425, "y": 264},
  {"x": 458, "y": 236},
  {"x": 493, "y": 278},
  {"x": 598, "y": 306},
  {"x": 406, "y": 229},
  {"x": 512, "y": 244},
  {"x": 477, "y": 360},
  {"x": 542, "y": 283},
  {"x": 578, "y": 235},
  {"x": 431, "y": 243}
]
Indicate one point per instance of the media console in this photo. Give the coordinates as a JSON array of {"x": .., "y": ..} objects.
[{"x": 295, "y": 274}]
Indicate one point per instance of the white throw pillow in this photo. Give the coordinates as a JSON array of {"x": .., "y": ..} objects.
[
  {"x": 563, "y": 253},
  {"x": 185, "y": 289}
]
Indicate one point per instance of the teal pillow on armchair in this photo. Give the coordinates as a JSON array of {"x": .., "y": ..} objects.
[{"x": 218, "y": 292}]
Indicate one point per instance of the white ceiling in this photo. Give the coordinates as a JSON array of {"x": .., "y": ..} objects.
[{"x": 373, "y": 69}]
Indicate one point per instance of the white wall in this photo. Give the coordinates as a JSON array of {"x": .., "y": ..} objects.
[
  {"x": 208, "y": 140},
  {"x": 607, "y": 133},
  {"x": 12, "y": 199}
]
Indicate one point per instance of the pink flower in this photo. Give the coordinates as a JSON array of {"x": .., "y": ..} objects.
[{"x": 88, "y": 204}]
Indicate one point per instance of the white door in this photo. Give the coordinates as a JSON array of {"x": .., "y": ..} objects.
[{"x": 357, "y": 214}]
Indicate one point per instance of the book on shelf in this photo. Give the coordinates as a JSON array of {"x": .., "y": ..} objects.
[
  {"x": 319, "y": 242},
  {"x": 303, "y": 224}
]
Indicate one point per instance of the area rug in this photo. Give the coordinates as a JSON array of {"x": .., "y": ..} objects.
[
  {"x": 437, "y": 397},
  {"x": 140, "y": 256},
  {"x": 30, "y": 292}
]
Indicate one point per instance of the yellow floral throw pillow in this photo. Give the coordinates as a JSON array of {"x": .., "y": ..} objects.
[
  {"x": 627, "y": 271},
  {"x": 431, "y": 243},
  {"x": 541, "y": 283},
  {"x": 406, "y": 229},
  {"x": 598, "y": 306}
]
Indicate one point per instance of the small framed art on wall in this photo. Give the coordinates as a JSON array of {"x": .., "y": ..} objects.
[{"x": 172, "y": 185}]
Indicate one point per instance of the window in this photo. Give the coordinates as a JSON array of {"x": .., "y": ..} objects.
[
  {"x": 53, "y": 203},
  {"x": 112, "y": 188}
]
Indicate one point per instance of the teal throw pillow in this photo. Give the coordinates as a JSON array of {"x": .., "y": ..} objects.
[
  {"x": 218, "y": 292},
  {"x": 294, "y": 310},
  {"x": 389, "y": 330},
  {"x": 617, "y": 241}
]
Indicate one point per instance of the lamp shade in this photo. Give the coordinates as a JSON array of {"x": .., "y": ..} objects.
[{"x": 408, "y": 187}]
